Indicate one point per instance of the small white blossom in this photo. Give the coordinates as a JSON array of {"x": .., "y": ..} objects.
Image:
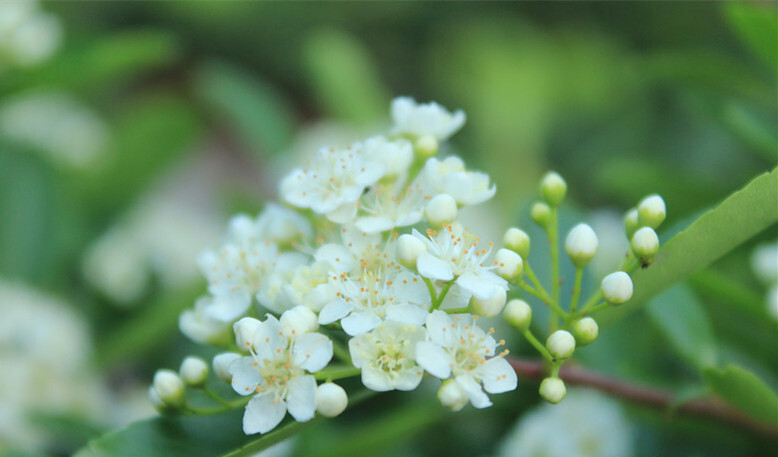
[
  {"x": 441, "y": 209},
  {"x": 331, "y": 399},
  {"x": 509, "y": 264},
  {"x": 199, "y": 324},
  {"x": 553, "y": 390},
  {"x": 387, "y": 356},
  {"x": 561, "y": 344},
  {"x": 491, "y": 306},
  {"x": 193, "y": 371},
  {"x": 645, "y": 243},
  {"x": 277, "y": 372},
  {"x": 396, "y": 156},
  {"x": 385, "y": 209},
  {"x": 411, "y": 118},
  {"x": 651, "y": 211},
  {"x": 616, "y": 288},
  {"x": 518, "y": 313},
  {"x": 169, "y": 387},
  {"x": 449, "y": 176},
  {"x": 581, "y": 245},
  {"x": 456, "y": 347}
]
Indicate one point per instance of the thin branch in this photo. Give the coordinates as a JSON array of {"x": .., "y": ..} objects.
[{"x": 710, "y": 409}]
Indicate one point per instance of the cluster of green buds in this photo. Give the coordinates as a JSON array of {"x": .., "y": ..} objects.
[{"x": 573, "y": 325}]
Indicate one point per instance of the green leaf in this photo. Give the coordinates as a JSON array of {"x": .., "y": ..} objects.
[
  {"x": 345, "y": 78},
  {"x": 683, "y": 320},
  {"x": 757, "y": 26},
  {"x": 738, "y": 218},
  {"x": 256, "y": 110},
  {"x": 743, "y": 390}
]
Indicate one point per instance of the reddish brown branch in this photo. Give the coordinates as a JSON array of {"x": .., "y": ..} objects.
[{"x": 710, "y": 409}]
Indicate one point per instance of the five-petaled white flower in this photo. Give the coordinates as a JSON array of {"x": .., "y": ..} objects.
[
  {"x": 387, "y": 356},
  {"x": 456, "y": 347},
  {"x": 454, "y": 254},
  {"x": 277, "y": 371},
  {"x": 411, "y": 118}
]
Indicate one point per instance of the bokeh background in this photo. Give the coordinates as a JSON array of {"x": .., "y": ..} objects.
[{"x": 131, "y": 131}]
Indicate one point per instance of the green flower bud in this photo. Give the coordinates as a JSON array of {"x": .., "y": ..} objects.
[
  {"x": 553, "y": 188},
  {"x": 518, "y": 314},
  {"x": 631, "y": 224},
  {"x": 645, "y": 244},
  {"x": 452, "y": 396},
  {"x": 541, "y": 214},
  {"x": 517, "y": 240},
  {"x": 331, "y": 399},
  {"x": 426, "y": 146},
  {"x": 409, "y": 248},
  {"x": 616, "y": 288},
  {"x": 581, "y": 245},
  {"x": 585, "y": 331},
  {"x": 651, "y": 211},
  {"x": 491, "y": 306},
  {"x": 194, "y": 371},
  {"x": 553, "y": 390},
  {"x": 169, "y": 388},
  {"x": 561, "y": 344}
]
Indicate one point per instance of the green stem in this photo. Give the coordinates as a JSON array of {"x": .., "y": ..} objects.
[
  {"x": 228, "y": 406},
  {"x": 544, "y": 299},
  {"x": 463, "y": 310},
  {"x": 215, "y": 396},
  {"x": 537, "y": 344},
  {"x": 341, "y": 352},
  {"x": 338, "y": 373},
  {"x": 552, "y": 239},
  {"x": 535, "y": 281},
  {"x": 593, "y": 300},
  {"x": 576, "y": 289},
  {"x": 437, "y": 303},
  {"x": 431, "y": 290},
  {"x": 598, "y": 308}
]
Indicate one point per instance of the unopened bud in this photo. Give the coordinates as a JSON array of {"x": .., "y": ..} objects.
[
  {"x": 299, "y": 320},
  {"x": 509, "y": 264},
  {"x": 581, "y": 245},
  {"x": 561, "y": 344},
  {"x": 409, "y": 248},
  {"x": 645, "y": 244},
  {"x": 442, "y": 209},
  {"x": 553, "y": 390},
  {"x": 221, "y": 365},
  {"x": 616, "y": 288},
  {"x": 631, "y": 224},
  {"x": 426, "y": 146},
  {"x": 518, "y": 313},
  {"x": 452, "y": 396},
  {"x": 244, "y": 332},
  {"x": 169, "y": 388},
  {"x": 159, "y": 405},
  {"x": 651, "y": 211},
  {"x": 553, "y": 188},
  {"x": 541, "y": 214},
  {"x": 585, "y": 331},
  {"x": 194, "y": 371},
  {"x": 491, "y": 306},
  {"x": 517, "y": 240},
  {"x": 331, "y": 399}
]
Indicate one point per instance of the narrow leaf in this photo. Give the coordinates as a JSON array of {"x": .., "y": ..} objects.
[{"x": 745, "y": 391}]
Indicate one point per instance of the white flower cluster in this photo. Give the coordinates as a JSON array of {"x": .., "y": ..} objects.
[{"x": 368, "y": 245}]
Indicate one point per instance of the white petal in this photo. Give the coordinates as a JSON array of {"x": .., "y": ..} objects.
[
  {"x": 358, "y": 323},
  {"x": 301, "y": 397},
  {"x": 408, "y": 379},
  {"x": 268, "y": 338},
  {"x": 407, "y": 314},
  {"x": 227, "y": 308},
  {"x": 497, "y": 375},
  {"x": 357, "y": 348},
  {"x": 432, "y": 267},
  {"x": 334, "y": 310},
  {"x": 263, "y": 413},
  {"x": 312, "y": 351},
  {"x": 474, "y": 392},
  {"x": 439, "y": 328},
  {"x": 477, "y": 285},
  {"x": 245, "y": 375},
  {"x": 374, "y": 224},
  {"x": 375, "y": 379},
  {"x": 337, "y": 255},
  {"x": 343, "y": 214},
  {"x": 434, "y": 359}
]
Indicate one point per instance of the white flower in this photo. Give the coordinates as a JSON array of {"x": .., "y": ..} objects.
[
  {"x": 450, "y": 177},
  {"x": 387, "y": 356},
  {"x": 193, "y": 371},
  {"x": 396, "y": 156},
  {"x": 385, "y": 209},
  {"x": 363, "y": 302},
  {"x": 277, "y": 372},
  {"x": 561, "y": 344},
  {"x": 272, "y": 292},
  {"x": 411, "y": 118},
  {"x": 333, "y": 182},
  {"x": 199, "y": 323},
  {"x": 456, "y": 347},
  {"x": 331, "y": 399},
  {"x": 651, "y": 211},
  {"x": 454, "y": 254},
  {"x": 221, "y": 365},
  {"x": 282, "y": 225},
  {"x": 27, "y": 35},
  {"x": 441, "y": 209}
]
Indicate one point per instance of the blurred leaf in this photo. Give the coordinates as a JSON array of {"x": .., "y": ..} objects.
[
  {"x": 111, "y": 58},
  {"x": 256, "y": 110},
  {"x": 741, "y": 216},
  {"x": 727, "y": 290},
  {"x": 344, "y": 78},
  {"x": 754, "y": 130},
  {"x": 757, "y": 27},
  {"x": 743, "y": 390},
  {"x": 67, "y": 431},
  {"x": 683, "y": 320}
]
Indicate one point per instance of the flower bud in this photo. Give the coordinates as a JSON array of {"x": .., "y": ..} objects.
[
  {"x": 541, "y": 214},
  {"x": 159, "y": 405},
  {"x": 517, "y": 240},
  {"x": 616, "y": 288},
  {"x": 518, "y": 313},
  {"x": 452, "y": 396},
  {"x": 581, "y": 245},
  {"x": 194, "y": 371},
  {"x": 426, "y": 146},
  {"x": 509, "y": 264},
  {"x": 645, "y": 244},
  {"x": 299, "y": 320},
  {"x": 331, "y": 399},
  {"x": 169, "y": 388},
  {"x": 585, "y": 331},
  {"x": 491, "y": 306},
  {"x": 442, "y": 209},
  {"x": 221, "y": 365},
  {"x": 561, "y": 344},
  {"x": 244, "y": 332},
  {"x": 631, "y": 224},
  {"x": 553, "y": 188},
  {"x": 409, "y": 248},
  {"x": 651, "y": 211},
  {"x": 553, "y": 390}
]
